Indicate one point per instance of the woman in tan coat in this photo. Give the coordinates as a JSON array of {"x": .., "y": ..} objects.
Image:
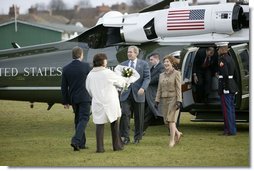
[{"x": 170, "y": 96}]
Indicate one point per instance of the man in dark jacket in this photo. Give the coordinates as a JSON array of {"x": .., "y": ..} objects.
[
  {"x": 156, "y": 69},
  {"x": 74, "y": 93},
  {"x": 134, "y": 97},
  {"x": 227, "y": 87},
  {"x": 204, "y": 67}
]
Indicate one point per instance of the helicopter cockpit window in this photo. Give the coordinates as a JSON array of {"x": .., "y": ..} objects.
[
  {"x": 188, "y": 66},
  {"x": 95, "y": 38},
  {"x": 101, "y": 37},
  {"x": 245, "y": 61}
]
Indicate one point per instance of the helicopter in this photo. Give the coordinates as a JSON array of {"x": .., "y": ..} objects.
[{"x": 33, "y": 73}]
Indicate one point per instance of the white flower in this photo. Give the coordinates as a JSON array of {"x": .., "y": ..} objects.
[{"x": 127, "y": 72}]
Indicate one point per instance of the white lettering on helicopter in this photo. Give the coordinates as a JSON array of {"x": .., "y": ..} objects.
[
  {"x": 31, "y": 71},
  {"x": 8, "y": 72}
]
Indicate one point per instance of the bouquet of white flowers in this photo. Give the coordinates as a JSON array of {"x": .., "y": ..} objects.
[
  {"x": 127, "y": 72},
  {"x": 130, "y": 74}
]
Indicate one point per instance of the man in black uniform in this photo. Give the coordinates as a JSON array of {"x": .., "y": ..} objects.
[{"x": 227, "y": 87}]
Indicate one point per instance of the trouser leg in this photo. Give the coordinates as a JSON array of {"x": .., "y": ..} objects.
[
  {"x": 125, "y": 119},
  {"x": 208, "y": 82},
  {"x": 229, "y": 98},
  {"x": 138, "y": 120},
  {"x": 227, "y": 103},
  {"x": 82, "y": 115},
  {"x": 200, "y": 88},
  {"x": 233, "y": 115},
  {"x": 116, "y": 141},
  {"x": 224, "y": 111},
  {"x": 148, "y": 118},
  {"x": 100, "y": 138}
]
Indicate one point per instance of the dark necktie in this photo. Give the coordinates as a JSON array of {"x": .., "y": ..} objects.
[
  {"x": 152, "y": 68},
  {"x": 206, "y": 62},
  {"x": 132, "y": 64}
]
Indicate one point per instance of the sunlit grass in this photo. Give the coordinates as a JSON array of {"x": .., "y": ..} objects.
[{"x": 37, "y": 137}]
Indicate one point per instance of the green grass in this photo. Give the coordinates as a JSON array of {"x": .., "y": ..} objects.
[{"x": 37, "y": 137}]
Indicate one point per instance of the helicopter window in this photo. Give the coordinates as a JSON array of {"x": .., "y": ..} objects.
[
  {"x": 96, "y": 37},
  {"x": 224, "y": 16},
  {"x": 188, "y": 66},
  {"x": 150, "y": 30},
  {"x": 245, "y": 61},
  {"x": 113, "y": 36}
]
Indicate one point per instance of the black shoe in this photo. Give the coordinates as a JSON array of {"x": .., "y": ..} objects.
[
  {"x": 118, "y": 149},
  {"x": 85, "y": 147},
  {"x": 136, "y": 142},
  {"x": 223, "y": 134},
  {"x": 100, "y": 151},
  {"x": 75, "y": 147},
  {"x": 226, "y": 134},
  {"x": 126, "y": 141}
]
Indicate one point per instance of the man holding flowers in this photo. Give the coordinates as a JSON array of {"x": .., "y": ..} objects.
[{"x": 133, "y": 99}]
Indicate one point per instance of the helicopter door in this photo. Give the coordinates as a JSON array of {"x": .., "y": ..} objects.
[
  {"x": 241, "y": 54},
  {"x": 187, "y": 66}
]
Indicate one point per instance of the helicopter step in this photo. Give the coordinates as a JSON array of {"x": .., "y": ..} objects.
[{"x": 202, "y": 116}]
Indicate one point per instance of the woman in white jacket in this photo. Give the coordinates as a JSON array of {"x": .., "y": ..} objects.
[{"x": 101, "y": 85}]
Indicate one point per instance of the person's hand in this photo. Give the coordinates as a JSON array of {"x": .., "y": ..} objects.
[
  {"x": 66, "y": 106},
  {"x": 178, "y": 105},
  {"x": 195, "y": 78},
  {"x": 156, "y": 105},
  {"x": 226, "y": 91},
  {"x": 141, "y": 91}
]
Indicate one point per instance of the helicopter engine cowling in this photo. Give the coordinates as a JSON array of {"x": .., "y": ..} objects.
[
  {"x": 220, "y": 18},
  {"x": 177, "y": 20}
]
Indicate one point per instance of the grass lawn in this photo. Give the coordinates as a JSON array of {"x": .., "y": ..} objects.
[{"x": 37, "y": 137}]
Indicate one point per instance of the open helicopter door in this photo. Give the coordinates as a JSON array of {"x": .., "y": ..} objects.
[
  {"x": 240, "y": 53},
  {"x": 188, "y": 56}
]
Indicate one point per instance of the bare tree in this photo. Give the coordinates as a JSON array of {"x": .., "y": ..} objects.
[
  {"x": 57, "y": 5},
  {"x": 40, "y": 6},
  {"x": 85, "y": 3},
  {"x": 138, "y": 4}
]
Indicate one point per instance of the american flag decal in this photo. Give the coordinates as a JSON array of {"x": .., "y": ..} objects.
[{"x": 186, "y": 19}]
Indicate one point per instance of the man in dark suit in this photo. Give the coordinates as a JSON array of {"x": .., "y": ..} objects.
[
  {"x": 156, "y": 69},
  {"x": 133, "y": 99},
  {"x": 204, "y": 67},
  {"x": 74, "y": 93}
]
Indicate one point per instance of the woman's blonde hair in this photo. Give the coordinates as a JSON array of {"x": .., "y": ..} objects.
[{"x": 171, "y": 59}]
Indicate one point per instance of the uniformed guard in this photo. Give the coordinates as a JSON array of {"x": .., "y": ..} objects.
[{"x": 227, "y": 87}]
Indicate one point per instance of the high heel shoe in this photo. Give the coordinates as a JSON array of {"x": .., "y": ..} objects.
[
  {"x": 171, "y": 144},
  {"x": 178, "y": 138}
]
